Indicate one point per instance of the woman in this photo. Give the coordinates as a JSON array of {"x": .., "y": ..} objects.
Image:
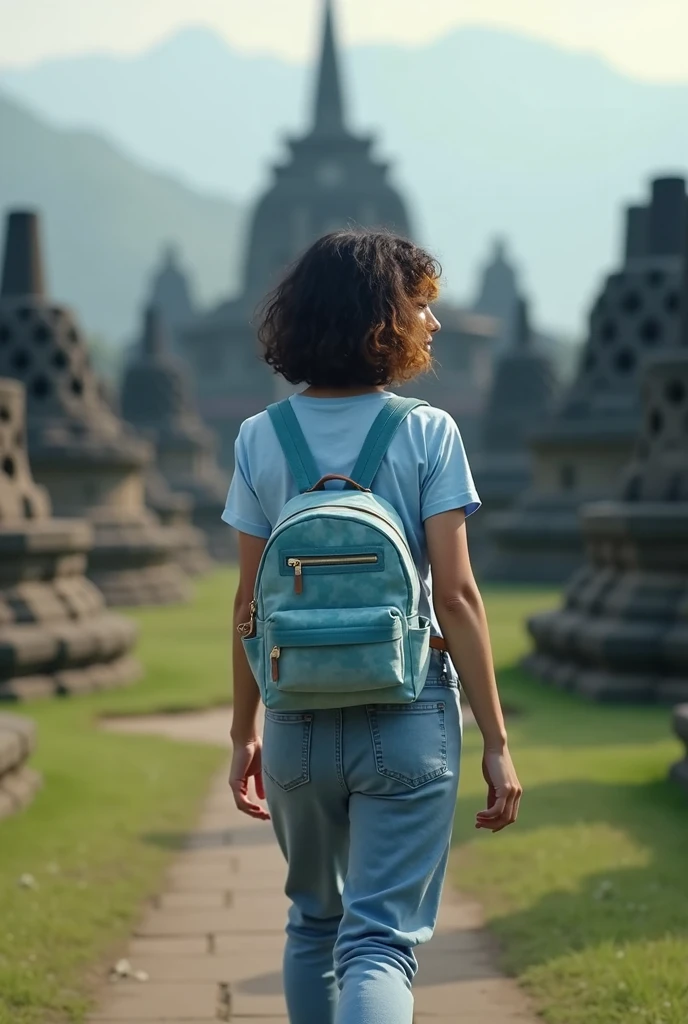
[{"x": 366, "y": 844}]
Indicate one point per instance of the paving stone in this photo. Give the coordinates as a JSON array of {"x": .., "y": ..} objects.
[{"x": 160, "y": 1002}]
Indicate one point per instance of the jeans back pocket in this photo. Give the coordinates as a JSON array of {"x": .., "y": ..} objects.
[
  {"x": 287, "y": 748},
  {"x": 409, "y": 741}
]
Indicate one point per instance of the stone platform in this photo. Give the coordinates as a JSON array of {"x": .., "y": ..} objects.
[{"x": 18, "y": 783}]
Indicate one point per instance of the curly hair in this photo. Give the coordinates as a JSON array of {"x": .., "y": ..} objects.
[{"x": 346, "y": 313}]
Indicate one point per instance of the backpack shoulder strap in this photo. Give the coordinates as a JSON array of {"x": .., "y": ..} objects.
[
  {"x": 294, "y": 445},
  {"x": 379, "y": 438}
]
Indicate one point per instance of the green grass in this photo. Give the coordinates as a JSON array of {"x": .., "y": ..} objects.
[
  {"x": 588, "y": 893},
  {"x": 98, "y": 836}
]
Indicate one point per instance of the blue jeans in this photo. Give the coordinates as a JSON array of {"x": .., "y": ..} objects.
[{"x": 362, "y": 802}]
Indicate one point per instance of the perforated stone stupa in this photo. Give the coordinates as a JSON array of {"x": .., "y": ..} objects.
[
  {"x": 523, "y": 392},
  {"x": 56, "y": 636},
  {"x": 580, "y": 452},
  {"x": 623, "y": 631},
  {"x": 157, "y": 400},
  {"x": 19, "y": 783},
  {"x": 90, "y": 463}
]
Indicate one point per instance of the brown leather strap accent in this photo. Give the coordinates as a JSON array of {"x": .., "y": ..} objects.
[
  {"x": 438, "y": 643},
  {"x": 320, "y": 486}
]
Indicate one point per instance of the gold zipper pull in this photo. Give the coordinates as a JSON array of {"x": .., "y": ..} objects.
[
  {"x": 297, "y": 566},
  {"x": 246, "y": 630},
  {"x": 274, "y": 661}
]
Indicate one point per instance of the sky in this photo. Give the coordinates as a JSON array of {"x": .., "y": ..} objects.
[{"x": 645, "y": 38}]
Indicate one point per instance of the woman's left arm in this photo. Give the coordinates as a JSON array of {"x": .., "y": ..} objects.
[{"x": 246, "y": 740}]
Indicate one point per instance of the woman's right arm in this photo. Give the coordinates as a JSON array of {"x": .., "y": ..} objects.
[{"x": 461, "y": 615}]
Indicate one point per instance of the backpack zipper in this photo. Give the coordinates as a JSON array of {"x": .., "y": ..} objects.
[
  {"x": 275, "y": 654},
  {"x": 297, "y": 564}
]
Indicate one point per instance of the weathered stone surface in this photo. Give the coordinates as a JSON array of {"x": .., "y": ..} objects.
[
  {"x": 88, "y": 461},
  {"x": 56, "y": 635},
  {"x": 679, "y": 772},
  {"x": 18, "y": 782},
  {"x": 580, "y": 453},
  {"x": 522, "y": 395},
  {"x": 623, "y": 631},
  {"x": 157, "y": 401}
]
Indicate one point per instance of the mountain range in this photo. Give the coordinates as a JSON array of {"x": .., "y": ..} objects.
[
  {"x": 489, "y": 133},
  {"x": 106, "y": 220}
]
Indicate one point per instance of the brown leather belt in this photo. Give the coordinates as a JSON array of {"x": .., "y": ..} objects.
[{"x": 438, "y": 643}]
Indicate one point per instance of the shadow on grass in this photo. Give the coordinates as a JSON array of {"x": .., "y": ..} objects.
[
  {"x": 620, "y": 905},
  {"x": 549, "y": 717}
]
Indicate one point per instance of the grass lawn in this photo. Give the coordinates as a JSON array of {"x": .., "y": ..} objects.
[
  {"x": 95, "y": 840},
  {"x": 589, "y": 892}
]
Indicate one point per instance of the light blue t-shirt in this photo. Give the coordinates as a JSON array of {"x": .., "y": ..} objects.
[{"x": 424, "y": 472}]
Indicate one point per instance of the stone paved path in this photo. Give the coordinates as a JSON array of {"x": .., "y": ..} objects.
[{"x": 212, "y": 942}]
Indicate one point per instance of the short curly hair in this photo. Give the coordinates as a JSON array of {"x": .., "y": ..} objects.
[{"x": 346, "y": 313}]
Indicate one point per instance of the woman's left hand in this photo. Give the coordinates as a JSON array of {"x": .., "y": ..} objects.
[{"x": 247, "y": 764}]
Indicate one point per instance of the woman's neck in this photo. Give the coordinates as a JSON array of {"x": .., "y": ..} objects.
[{"x": 340, "y": 392}]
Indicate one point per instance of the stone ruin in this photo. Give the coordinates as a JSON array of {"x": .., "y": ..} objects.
[
  {"x": 498, "y": 296},
  {"x": 523, "y": 391},
  {"x": 679, "y": 772},
  {"x": 156, "y": 399},
  {"x": 171, "y": 294},
  {"x": 581, "y": 450},
  {"x": 623, "y": 631},
  {"x": 90, "y": 463},
  {"x": 18, "y": 782},
  {"x": 56, "y": 636}
]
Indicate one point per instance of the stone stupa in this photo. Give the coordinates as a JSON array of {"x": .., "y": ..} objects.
[
  {"x": 172, "y": 294},
  {"x": 522, "y": 395},
  {"x": 623, "y": 631},
  {"x": 90, "y": 463},
  {"x": 19, "y": 783},
  {"x": 579, "y": 453},
  {"x": 157, "y": 400},
  {"x": 56, "y": 636}
]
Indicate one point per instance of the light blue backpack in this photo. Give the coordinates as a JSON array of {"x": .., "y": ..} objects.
[{"x": 334, "y": 621}]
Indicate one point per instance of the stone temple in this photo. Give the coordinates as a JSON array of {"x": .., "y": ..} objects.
[
  {"x": 522, "y": 395},
  {"x": 19, "y": 783},
  {"x": 581, "y": 450},
  {"x": 172, "y": 295},
  {"x": 498, "y": 295},
  {"x": 623, "y": 631},
  {"x": 90, "y": 463},
  {"x": 329, "y": 180},
  {"x": 56, "y": 636},
  {"x": 157, "y": 400}
]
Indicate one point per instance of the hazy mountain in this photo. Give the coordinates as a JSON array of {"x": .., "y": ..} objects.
[
  {"x": 106, "y": 219},
  {"x": 490, "y": 132}
]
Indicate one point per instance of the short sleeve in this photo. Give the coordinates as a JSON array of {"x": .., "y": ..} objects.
[
  {"x": 243, "y": 510},
  {"x": 448, "y": 483}
]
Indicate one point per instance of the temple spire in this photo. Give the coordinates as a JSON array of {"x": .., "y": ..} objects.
[
  {"x": 22, "y": 273},
  {"x": 329, "y": 103}
]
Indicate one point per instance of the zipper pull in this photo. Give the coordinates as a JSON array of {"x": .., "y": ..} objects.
[
  {"x": 246, "y": 630},
  {"x": 295, "y": 564},
  {"x": 274, "y": 661}
]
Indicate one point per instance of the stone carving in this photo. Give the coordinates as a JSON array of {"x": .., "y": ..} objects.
[
  {"x": 90, "y": 463},
  {"x": 56, "y": 636},
  {"x": 18, "y": 783},
  {"x": 623, "y": 631},
  {"x": 522, "y": 394},
  {"x": 679, "y": 772},
  {"x": 157, "y": 400},
  {"x": 582, "y": 449},
  {"x": 330, "y": 179}
]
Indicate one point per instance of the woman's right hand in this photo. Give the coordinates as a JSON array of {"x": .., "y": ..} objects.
[{"x": 503, "y": 791}]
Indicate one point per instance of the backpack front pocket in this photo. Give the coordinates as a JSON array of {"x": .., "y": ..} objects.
[{"x": 350, "y": 650}]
